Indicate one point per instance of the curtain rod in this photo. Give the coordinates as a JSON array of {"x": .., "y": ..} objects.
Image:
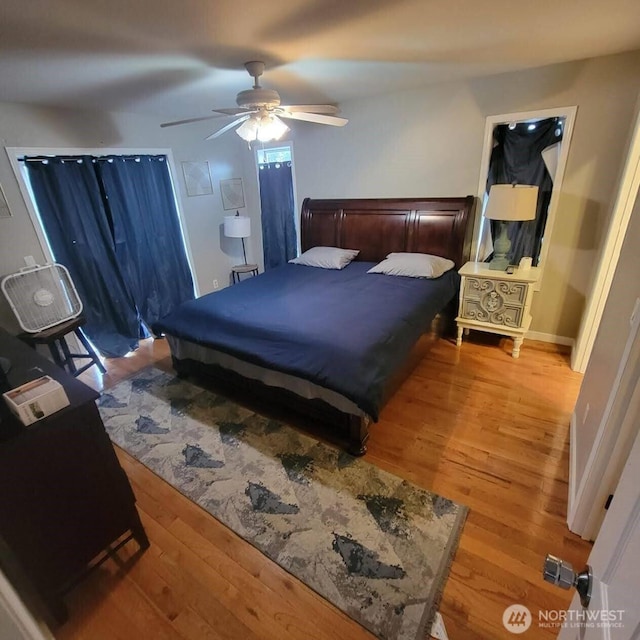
[{"x": 76, "y": 157}]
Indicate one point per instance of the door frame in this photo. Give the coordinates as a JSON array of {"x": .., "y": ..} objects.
[
  {"x": 620, "y": 527},
  {"x": 15, "y": 614},
  {"x": 616, "y": 432}
]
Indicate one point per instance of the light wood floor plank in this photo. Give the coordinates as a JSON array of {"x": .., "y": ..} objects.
[{"x": 471, "y": 424}]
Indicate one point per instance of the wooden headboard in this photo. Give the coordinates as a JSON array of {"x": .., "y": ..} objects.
[{"x": 439, "y": 226}]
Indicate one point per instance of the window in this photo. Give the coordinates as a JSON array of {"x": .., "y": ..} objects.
[{"x": 276, "y": 154}]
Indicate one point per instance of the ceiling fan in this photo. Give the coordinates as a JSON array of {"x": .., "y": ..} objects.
[{"x": 259, "y": 112}]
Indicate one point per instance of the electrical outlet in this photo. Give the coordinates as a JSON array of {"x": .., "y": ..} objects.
[
  {"x": 30, "y": 261},
  {"x": 215, "y": 284},
  {"x": 586, "y": 413}
]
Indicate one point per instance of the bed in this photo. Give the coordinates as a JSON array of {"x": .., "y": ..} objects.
[{"x": 329, "y": 344}]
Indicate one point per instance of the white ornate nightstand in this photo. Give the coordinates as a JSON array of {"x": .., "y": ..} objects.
[{"x": 495, "y": 301}]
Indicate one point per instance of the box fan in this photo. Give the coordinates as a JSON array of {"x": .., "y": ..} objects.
[{"x": 42, "y": 297}]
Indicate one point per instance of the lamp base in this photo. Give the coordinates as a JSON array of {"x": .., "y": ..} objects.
[
  {"x": 501, "y": 249},
  {"x": 499, "y": 264}
]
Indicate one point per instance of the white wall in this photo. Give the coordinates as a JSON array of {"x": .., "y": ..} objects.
[
  {"x": 25, "y": 126},
  {"x": 428, "y": 142}
]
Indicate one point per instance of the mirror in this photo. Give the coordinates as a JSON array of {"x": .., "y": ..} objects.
[{"x": 524, "y": 148}]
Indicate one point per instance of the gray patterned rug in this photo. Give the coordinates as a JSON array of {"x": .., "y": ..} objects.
[{"x": 374, "y": 545}]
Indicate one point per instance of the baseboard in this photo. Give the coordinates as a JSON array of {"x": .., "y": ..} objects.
[{"x": 550, "y": 337}]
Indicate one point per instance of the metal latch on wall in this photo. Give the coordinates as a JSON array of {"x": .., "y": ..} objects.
[{"x": 561, "y": 573}]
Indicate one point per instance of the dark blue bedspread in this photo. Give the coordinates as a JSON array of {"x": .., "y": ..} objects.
[{"x": 345, "y": 330}]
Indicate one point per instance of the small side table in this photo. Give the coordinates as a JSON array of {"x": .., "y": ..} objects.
[
  {"x": 239, "y": 269},
  {"x": 496, "y": 302}
]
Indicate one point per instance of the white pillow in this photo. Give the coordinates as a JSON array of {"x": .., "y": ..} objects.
[
  {"x": 414, "y": 265},
  {"x": 326, "y": 257}
]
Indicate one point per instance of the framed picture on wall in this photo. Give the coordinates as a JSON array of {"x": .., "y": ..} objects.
[
  {"x": 5, "y": 212},
  {"x": 197, "y": 178},
  {"x": 232, "y": 193}
]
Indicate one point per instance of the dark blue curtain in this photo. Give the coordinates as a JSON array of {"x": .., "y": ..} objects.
[
  {"x": 517, "y": 158},
  {"x": 146, "y": 231},
  {"x": 278, "y": 213},
  {"x": 113, "y": 223},
  {"x": 71, "y": 208}
]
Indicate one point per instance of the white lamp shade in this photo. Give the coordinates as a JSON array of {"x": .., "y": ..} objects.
[
  {"x": 512, "y": 202},
  {"x": 237, "y": 226},
  {"x": 263, "y": 128},
  {"x": 271, "y": 128},
  {"x": 248, "y": 130}
]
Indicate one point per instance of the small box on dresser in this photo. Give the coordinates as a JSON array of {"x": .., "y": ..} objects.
[
  {"x": 36, "y": 399},
  {"x": 496, "y": 301}
]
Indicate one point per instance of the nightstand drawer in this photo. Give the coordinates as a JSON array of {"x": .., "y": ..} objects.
[
  {"x": 489, "y": 309},
  {"x": 513, "y": 293}
]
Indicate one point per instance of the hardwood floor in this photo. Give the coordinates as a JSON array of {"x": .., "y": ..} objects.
[{"x": 472, "y": 424}]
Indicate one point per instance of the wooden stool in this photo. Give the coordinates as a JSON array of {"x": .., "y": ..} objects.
[{"x": 54, "y": 338}]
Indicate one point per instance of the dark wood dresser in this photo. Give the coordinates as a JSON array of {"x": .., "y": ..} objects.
[{"x": 64, "y": 498}]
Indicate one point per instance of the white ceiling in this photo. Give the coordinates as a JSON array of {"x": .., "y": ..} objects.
[{"x": 181, "y": 58}]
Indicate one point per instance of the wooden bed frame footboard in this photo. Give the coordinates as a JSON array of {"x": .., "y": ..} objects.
[
  {"x": 376, "y": 227},
  {"x": 348, "y": 431}
]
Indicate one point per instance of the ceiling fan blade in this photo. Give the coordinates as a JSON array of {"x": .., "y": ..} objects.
[
  {"x": 187, "y": 121},
  {"x": 226, "y": 128},
  {"x": 236, "y": 111},
  {"x": 315, "y": 117},
  {"x": 311, "y": 108}
]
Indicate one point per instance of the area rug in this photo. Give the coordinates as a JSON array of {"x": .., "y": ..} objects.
[{"x": 374, "y": 545}]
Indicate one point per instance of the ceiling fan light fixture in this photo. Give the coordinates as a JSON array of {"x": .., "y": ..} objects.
[
  {"x": 264, "y": 128},
  {"x": 271, "y": 128},
  {"x": 248, "y": 130}
]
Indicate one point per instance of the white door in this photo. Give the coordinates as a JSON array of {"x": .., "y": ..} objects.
[{"x": 614, "y": 610}]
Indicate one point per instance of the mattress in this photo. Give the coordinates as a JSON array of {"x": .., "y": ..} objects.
[{"x": 346, "y": 330}]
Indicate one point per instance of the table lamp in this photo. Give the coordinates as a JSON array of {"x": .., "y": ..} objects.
[
  {"x": 238, "y": 227},
  {"x": 509, "y": 203}
]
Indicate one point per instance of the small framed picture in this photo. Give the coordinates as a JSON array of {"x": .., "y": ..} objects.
[
  {"x": 197, "y": 178},
  {"x": 5, "y": 212},
  {"x": 232, "y": 193}
]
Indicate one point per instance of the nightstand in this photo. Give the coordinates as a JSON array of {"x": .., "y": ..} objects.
[
  {"x": 238, "y": 270},
  {"x": 496, "y": 302}
]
